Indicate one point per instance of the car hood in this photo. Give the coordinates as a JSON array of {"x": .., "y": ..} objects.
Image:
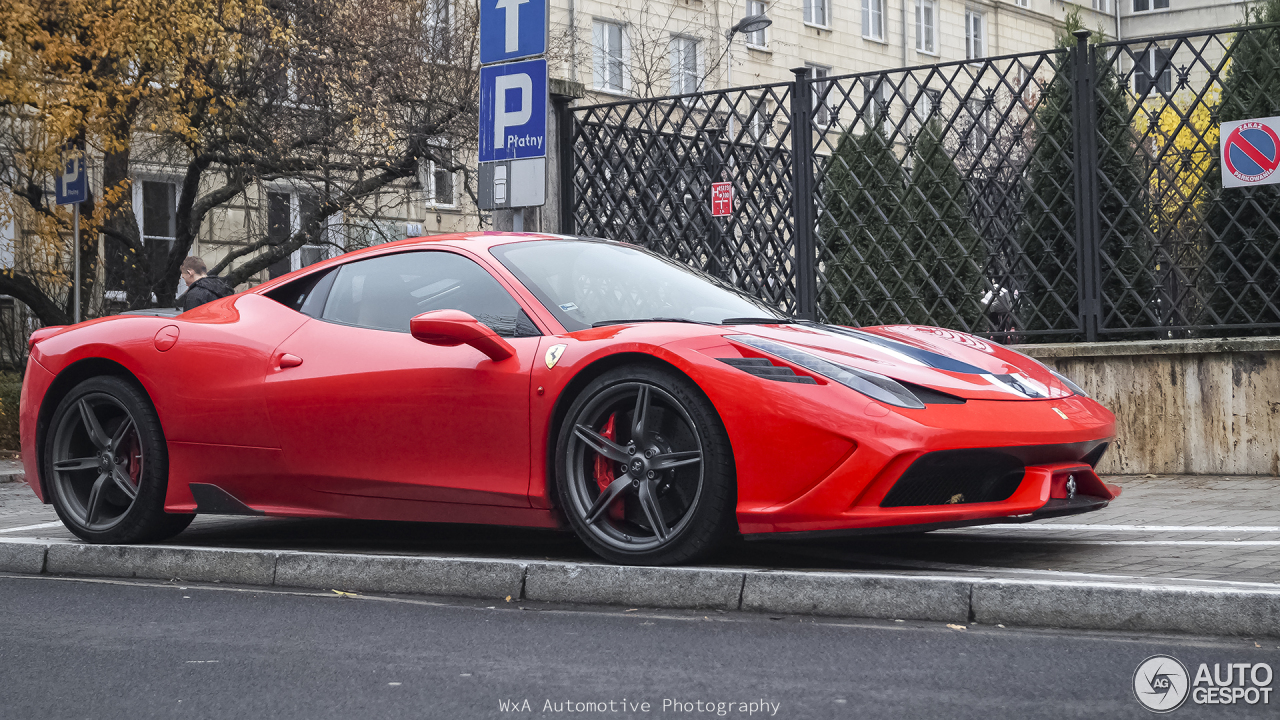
[{"x": 945, "y": 360}]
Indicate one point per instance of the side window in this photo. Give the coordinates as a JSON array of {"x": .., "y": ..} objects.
[
  {"x": 306, "y": 294},
  {"x": 385, "y": 292}
]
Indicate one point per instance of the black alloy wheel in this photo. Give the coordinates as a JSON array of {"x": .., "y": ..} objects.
[
  {"x": 106, "y": 465},
  {"x": 644, "y": 468}
]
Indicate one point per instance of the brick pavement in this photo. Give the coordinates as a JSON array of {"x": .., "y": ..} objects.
[{"x": 1204, "y": 529}]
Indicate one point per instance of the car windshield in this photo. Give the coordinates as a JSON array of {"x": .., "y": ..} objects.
[{"x": 593, "y": 282}]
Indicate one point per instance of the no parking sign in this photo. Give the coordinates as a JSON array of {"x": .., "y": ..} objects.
[{"x": 1250, "y": 151}]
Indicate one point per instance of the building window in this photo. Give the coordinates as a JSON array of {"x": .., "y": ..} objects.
[
  {"x": 1027, "y": 3},
  {"x": 873, "y": 19},
  {"x": 287, "y": 213},
  {"x": 757, "y": 38},
  {"x": 876, "y": 93},
  {"x": 975, "y": 34},
  {"x": 438, "y": 179},
  {"x": 609, "y": 56},
  {"x": 1153, "y": 70},
  {"x": 978, "y": 128},
  {"x": 439, "y": 22},
  {"x": 815, "y": 12},
  {"x": 927, "y": 26},
  {"x": 927, "y": 104},
  {"x": 761, "y": 125},
  {"x": 1102, "y": 5},
  {"x": 159, "y": 217},
  {"x": 1145, "y": 5},
  {"x": 155, "y": 203},
  {"x": 821, "y": 101},
  {"x": 684, "y": 65}
]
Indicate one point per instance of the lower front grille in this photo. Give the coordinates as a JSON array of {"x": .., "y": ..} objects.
[{"x": 957, "y": 477}]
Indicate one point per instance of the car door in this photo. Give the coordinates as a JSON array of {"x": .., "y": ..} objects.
[{"x": 371, "y": 411}]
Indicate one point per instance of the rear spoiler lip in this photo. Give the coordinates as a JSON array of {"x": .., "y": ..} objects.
[{"x": 44, "y": 333}]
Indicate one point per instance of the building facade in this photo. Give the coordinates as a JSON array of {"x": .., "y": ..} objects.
[{"x": 649, "y": 48}]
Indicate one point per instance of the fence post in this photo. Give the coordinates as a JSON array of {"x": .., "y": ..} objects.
[
  {"x": 565, "y": 161},
  {"x": 806, "y": 267},
  {"x": 1085, "y": 149}
]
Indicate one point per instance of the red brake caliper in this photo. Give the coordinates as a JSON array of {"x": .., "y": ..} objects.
[{"x": 604, "y": 469}]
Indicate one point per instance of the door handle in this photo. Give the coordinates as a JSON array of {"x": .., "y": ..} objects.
[{"x": 288, "y": 361}]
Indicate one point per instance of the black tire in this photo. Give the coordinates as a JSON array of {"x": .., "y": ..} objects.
[
  {"x": 106, "y": 465},
  {"x": 611, "y": 505}
]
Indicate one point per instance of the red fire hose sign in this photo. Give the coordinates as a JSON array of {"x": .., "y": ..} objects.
[
  {"x": 721, "y": 199},
  {"x": 1250, "y": 152}
]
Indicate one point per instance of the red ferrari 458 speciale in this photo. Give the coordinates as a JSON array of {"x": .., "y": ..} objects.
[{"x": 545, "y": 381}]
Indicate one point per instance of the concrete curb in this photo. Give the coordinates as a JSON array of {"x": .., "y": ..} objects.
[
  {"x": 653, "y": 587},
  {"x": 953, "y": 599},
  {"x": 858, "y": 595}
]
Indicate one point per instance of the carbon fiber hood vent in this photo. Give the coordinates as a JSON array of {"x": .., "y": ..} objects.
[{"x": 762, "y": 368}]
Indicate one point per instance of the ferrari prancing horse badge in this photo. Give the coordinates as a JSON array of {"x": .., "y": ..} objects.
[{"x": 553, "y": 355}]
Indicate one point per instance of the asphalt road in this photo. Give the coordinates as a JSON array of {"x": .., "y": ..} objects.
[{"x": 114, "y": 649}]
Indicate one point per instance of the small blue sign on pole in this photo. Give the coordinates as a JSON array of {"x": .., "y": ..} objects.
[
  {"x": 512, "y": 29},
  {"x": 72, "y": 184},
  {"x": 513, "y": 111}
]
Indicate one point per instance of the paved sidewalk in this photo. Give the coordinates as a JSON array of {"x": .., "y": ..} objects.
[{"x": 1206, "y": 530}]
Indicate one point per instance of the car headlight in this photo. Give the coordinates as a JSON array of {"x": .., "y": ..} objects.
[
  {"x": 1070, "y": 385},
  {"x": 877, "y": 387}
]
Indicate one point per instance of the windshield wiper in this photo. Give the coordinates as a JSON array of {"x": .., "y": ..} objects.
[
  {"x": 757, "y": 321},
  {"x": 603, "y": 323}
]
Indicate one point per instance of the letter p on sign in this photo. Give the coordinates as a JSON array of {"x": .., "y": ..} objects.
[
  {"x": 513, "y": 111},
  {"x": 504, "y": 118}
]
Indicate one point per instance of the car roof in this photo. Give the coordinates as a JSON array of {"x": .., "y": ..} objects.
[
  {"x": 476, "y": 242},
  {"x": 472, "y": 240}
]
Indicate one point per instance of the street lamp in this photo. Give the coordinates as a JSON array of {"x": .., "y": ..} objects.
[{"x": 747, "y": 25}]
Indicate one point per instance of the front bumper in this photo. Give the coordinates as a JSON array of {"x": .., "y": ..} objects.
[
  {"x": 1055, "y": 507},
  {"x": 1042, "y": 491}
]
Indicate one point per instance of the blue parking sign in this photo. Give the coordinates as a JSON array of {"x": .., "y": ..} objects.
[
  {"x": 512, "y": 29},
  {"x": 72, "y": 185},
  {"x": 513, "y": 111}
]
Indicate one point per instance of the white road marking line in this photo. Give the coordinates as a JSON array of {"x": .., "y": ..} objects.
[
  {"x": 1082, "y": 541},
  {"x": 1130, "y": 528},
  {"x": 41, "y": 526}
]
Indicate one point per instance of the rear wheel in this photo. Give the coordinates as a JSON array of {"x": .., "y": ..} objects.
[
  {"x": 107, "y": 465},
  {"x": 644, "y": 469}
]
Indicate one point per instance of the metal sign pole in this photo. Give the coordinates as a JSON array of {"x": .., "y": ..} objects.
[{"x": 75, "y": 239}]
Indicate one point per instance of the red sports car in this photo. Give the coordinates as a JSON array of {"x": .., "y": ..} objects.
[{"x": 540, "y": 381}]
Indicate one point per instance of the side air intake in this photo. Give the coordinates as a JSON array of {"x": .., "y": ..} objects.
[{"x": 762, "y": 368}]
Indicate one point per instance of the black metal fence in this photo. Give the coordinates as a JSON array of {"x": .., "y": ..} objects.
[{"x": 1068, "y": 194}]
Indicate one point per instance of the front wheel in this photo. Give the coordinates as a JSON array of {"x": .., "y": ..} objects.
[
  {"x": 107, "y": 465},
  {"x": 644, "y": 469}
]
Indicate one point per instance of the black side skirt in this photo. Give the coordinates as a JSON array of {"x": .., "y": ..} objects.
[{"x": 213, "y": 500}]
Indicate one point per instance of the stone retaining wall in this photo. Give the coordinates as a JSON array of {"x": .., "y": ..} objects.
[{"x": 1182, "y": 406}]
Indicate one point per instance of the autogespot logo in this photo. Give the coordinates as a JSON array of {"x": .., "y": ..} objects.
[{"x": 1160, "y": 683}]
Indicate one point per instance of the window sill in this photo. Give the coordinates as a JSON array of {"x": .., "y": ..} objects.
[
  {"x": 760, "y": 48},
  {"x": 815, "y": 26},
  {"x": 611, "y": 92},
  {"x": 878, "y": 41},
  {"x": 930, "y": 53}
]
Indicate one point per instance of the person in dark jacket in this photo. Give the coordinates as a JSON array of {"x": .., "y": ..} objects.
[{"x": 201, "y": 289}]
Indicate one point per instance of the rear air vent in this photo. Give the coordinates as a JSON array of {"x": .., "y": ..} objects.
[{"x": 762, "y": 368}]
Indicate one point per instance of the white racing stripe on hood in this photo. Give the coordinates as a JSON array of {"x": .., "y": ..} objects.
[{"x": 1005, "y": 386}]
